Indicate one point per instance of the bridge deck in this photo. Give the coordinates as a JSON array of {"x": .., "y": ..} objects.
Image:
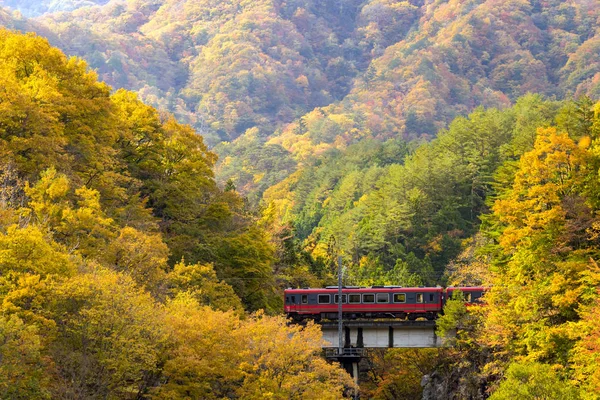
[
  {"x": 378, "y": 334},
  {"x": 400, "y": 324}
]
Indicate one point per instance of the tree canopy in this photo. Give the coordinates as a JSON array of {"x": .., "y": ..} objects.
[{"x": 125, "y": 271}]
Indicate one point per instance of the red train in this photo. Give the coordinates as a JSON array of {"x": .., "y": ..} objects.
[{"x": 373, "y": 302}]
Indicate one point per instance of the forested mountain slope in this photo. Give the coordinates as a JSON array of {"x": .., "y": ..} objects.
[
  {"x": 227, "y": 65},
  {"x": 128, "y": 157},
  {"x": 464, "y": 54},
  {"x": 398, "y": 218},
  {"x": 124, "y": 269},
  {"x": 458, "y": 55},
  {"x": 33, "y": 8},
  {"x": 305, "y": 76},
  {"x": 538, "y": 251}
]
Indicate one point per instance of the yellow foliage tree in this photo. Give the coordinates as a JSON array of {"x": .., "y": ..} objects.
[
  {"x": 556, "y": 168},
  {"x": 201, "y": 282},
  {"x": 110, "y": 336},
  {"x": 29, "y": 250},
  {"x": 283, "y": 362},
  {"x": 544, "y": 278},
  {"x": 203, "y": 361},
  {"x": 218, "y": 356},
  {"x": 24, "y": 371},
  {"x": 83, "y": 227},
  {"x": 141, "y": 255}
]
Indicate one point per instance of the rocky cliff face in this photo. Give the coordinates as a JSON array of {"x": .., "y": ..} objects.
[{"x": 453, "y": 385}]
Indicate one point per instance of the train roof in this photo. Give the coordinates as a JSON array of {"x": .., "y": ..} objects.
[{"x": 334, "y": 289}]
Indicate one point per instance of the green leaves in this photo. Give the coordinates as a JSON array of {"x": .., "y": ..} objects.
[
  {"x": 453, "y": 323},
  {"x": 534, "y": 381},
  {"x": 411, "y": 211}
]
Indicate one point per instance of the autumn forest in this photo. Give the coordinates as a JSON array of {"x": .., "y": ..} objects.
[{"x": 169, "y": 167}]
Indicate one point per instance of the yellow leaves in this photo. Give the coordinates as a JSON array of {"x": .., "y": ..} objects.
[
  {"x": 280, "y": 198},
  {"x": 258, "y": 177},
  {"x": 594, "y": 231},
  {"x": 84, "y": 227},
  {"x": 47, "y": 197},
  {"x": 547, "y": 277},
  {"x": 29, "y": 250},
  {"x": 56, "y": 188},
  {"x": 203, "y": 362},
  {"x": 24, "y": 373},
  {"x": 586, "y": 353},
  {"x": 562, "y": 293},
  {"x": 28, "y": 298},
  {"x": 200, "y": 282},
  {"x": 554, "y": 168},
  {"x": 184, "y": 152},
  {"x": 342, "y": 120},
  {"x": 88, "y": 214},
  {"x": 302, "y": 81},
  {"x": 320, "y": 251},
  {"x": 217, "y": 356},
  {"x": 111, "y": 333},
  {"x": 532, "y": 380},
  {"x": 434, "y": 244},
  {"x": 284, "y": 362},
  {"x": 585, "y": 142},
  {"x": 104, "y": 331},
  {"x": 141, "y": 255},
  {"x": 42, "y": 96}
]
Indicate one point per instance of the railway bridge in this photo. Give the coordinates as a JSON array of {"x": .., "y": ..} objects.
[
  {"x": 359, "y": 335},
  {"x": 381, "y": 334}
]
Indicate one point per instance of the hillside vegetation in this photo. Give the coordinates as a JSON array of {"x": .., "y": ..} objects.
[
  {"x": 538, "y": 251},
  {"x": 296, "y": 78},
  {"x": 33, "y": 8},
  {"x": 113, "y": 241},
  {"x": 426, "y": 142}
]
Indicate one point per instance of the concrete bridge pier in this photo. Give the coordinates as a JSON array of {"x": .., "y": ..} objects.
[{"x": 349, "y": 359}]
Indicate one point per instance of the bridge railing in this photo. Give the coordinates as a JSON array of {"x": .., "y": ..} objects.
[{"x": 346, "y": 352}]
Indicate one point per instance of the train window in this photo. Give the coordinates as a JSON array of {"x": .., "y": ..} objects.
[
  {"x": 324, "y": 299},
  {"x": 383, "y": 298},
  {"x": 287, "y": 299},
  {"x": 368, "y": 298},
  {"x": 293, "y": 299},
  {"x": 419, "y": 297},
  {"x": 304, "y": 299},
  {"x": 354, "y": 298},
  {"x": 468, "y": 297},
  {"x": 431, "y": 297},
  {"x": 399, "y": 297},
  {"x": 336, "y": 297}
]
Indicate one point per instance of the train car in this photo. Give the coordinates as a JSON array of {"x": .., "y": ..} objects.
[
  {"x": 471, "y": 294},
  {"x": 364, "y": 302}
]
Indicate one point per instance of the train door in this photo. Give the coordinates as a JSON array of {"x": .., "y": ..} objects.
[{"x": 294, "y": 302}]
